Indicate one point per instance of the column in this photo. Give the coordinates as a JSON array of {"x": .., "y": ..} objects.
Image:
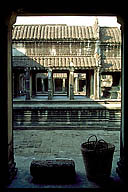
[
  {"x": 96, "y": 83},
  {"x": 33, "y": 84},
  {"x": 68, "y": 84},
  {"x": 13, "y": 84},
  {"x": 119, "y": 92},
  {"x": 27, "y": 83},
  {"x": 91, "y": 85},
  {"x": 63, "y": 86},
  {"x": 16, "y": 84},
  {"x": 122, "y": 168},
  {"x": 7, "y": 157},
  {"x": 76, "y": 86},
  {"x": 50, "y": 87},
  {"x": 71, "y": 84}
]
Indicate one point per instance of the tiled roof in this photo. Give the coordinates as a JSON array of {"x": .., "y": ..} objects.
[
  {"x": 51, "y": 32},
  {"x": 55, "y": 62},
  {"x": 110, "y": 35},
  {"x": 111, "y": 64},
  {"x": 59, "y": 32}
]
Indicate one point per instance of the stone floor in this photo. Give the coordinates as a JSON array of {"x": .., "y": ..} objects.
[{"x": 50, "y": 144}]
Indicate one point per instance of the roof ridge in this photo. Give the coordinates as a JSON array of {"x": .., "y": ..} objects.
[{"x": 52, "y": 25}]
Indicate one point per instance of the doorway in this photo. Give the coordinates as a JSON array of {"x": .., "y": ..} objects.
[{"x": 81, "y": 84}]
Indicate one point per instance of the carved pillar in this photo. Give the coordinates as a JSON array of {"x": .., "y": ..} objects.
[
  {"x": 63, "y": 86},
  {"x": 122, "y": 169},
  {"x": 27, "y": 83},
  {"x": 50, "y": 86},
  {"x": 119, "y": 92},
  {"x": 68, "y": 84},
  {"x": 96, "y": 83},
  {"x": 76, "y": 87},
  {"x": 71, "y": 83},
  {"x": 91, "y": 84}
]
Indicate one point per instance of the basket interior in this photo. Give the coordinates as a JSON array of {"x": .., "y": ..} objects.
[{"x": 93, "y": 145}]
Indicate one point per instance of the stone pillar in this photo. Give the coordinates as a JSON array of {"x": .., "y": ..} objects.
[
  {"x": 50, "y": 86},
  {"x": 7, "y": 156},
  {"x": 27, "y": 83},
  {"x": 33, "y": 84},
  {"x": 76, "y": 83},
  {"x": 68, "y": 84},
  {"x": 71, "y": 84},
  {"x": 13, "y": 81},
  {"x": 96, "y": 83},
  {"x": 63, "y": 86},
  {"x": 15, "y": 84},
  {"x": 119, "y": 92},
  {"x": 122, "y": 168},
  {"x": 91, "y": 85}
]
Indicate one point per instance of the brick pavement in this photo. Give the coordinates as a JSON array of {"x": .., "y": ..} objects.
[
  {"x": 57, "y": 143},
  {"x": 42, "y": 144}
]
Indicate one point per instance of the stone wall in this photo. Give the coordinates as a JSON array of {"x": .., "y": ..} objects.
[{"x": 66, "y": 116}]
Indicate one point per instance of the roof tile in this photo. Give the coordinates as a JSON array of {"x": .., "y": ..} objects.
[
  {"x": 111, "y": 64},
  {"x": 110, "y": 35},
  {"x": 47, "y": 32}
]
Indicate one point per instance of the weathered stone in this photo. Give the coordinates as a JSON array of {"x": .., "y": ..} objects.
[
  {"x": 53, "y": 171},
  {"x": 59, "y": 115}
]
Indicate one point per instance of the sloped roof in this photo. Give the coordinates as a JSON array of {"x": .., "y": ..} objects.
[
  {"x": 108, "y": 64},
  {"x": 110, "y": 35},
  {"x": 55, "y": 62},
  {"x": 51, "y": 32},
  {"x": 111, "y": 64},
  {"x": 59, "y": 32}
]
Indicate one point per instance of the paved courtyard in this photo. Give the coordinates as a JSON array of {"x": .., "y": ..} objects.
[{"x": 50, "y": 144}]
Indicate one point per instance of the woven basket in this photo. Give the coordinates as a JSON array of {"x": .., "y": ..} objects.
[{"x": 97, "y": 157}]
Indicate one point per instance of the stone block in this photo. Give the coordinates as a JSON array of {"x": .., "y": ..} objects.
[{"x": 53, "y": 171}]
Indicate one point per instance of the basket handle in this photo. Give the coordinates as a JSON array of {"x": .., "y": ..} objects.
[
  {"x": 91, "y": 137},
  {"x": 102, "y": 140}
]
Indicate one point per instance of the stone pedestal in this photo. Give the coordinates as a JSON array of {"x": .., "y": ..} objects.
[
  {"x": 53, "y": 171},
  {"x": 114, "y": 92},
  {"x": 12, "y": 171}
]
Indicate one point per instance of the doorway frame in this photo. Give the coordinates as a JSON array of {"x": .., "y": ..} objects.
[{"x": 6, "y": 81}]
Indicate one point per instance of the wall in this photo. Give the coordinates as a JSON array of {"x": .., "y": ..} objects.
[{"x": 65, "y": 115}]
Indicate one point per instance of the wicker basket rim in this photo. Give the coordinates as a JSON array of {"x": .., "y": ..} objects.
[{"x": 84, "y": 146}]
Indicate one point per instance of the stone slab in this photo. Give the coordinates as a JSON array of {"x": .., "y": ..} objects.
[{"x": 53, "y": 171}]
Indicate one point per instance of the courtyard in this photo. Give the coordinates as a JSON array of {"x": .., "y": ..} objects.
[{"x": 50, "y": 144}]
